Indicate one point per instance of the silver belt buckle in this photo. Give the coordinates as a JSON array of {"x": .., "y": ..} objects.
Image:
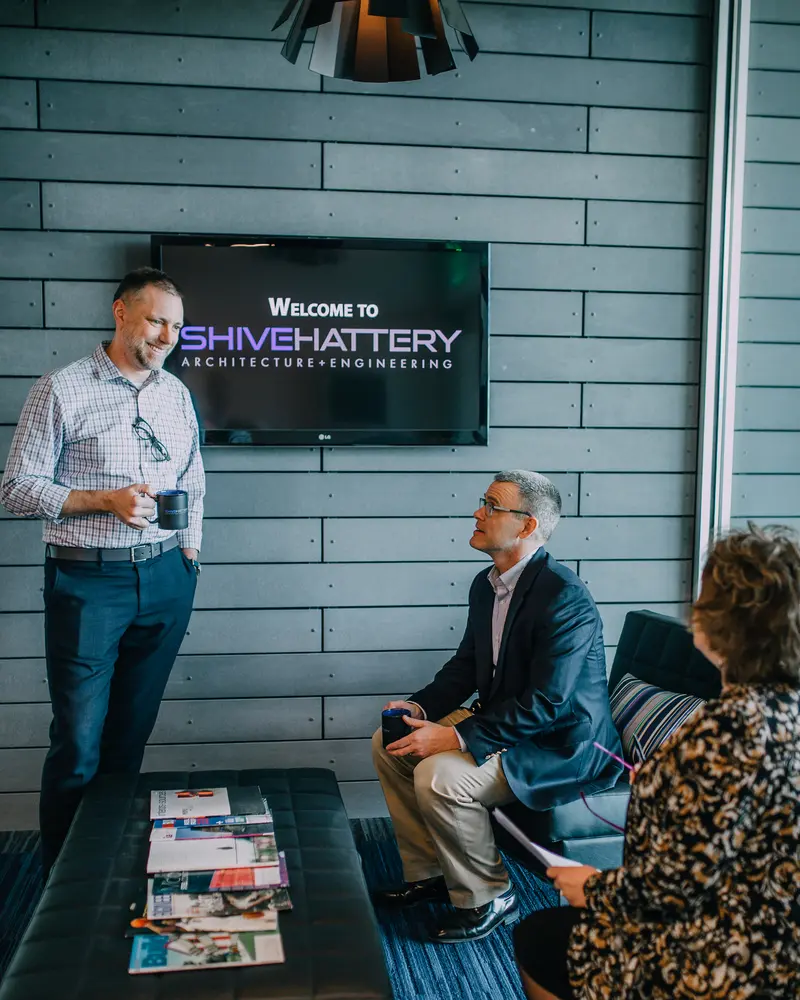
[{"x": 144, "y": 545}]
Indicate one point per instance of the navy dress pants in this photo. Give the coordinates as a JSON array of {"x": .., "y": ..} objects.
[{"x": 112, "y": 632}]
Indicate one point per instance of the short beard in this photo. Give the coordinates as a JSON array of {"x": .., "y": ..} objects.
[{"x": 141, "y": 355}]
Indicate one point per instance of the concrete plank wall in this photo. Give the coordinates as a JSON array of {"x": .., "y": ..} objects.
[
  {"x": 766, "y": 483},
  {"x": 337, "y": 578}
]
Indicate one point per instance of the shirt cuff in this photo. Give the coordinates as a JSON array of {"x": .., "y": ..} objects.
[
  {"x": 189, "y": 539},
  {"x": 462, "y": 745},
  {"x": 52, "y": 500},
  {"x": 416, "y": 704}
]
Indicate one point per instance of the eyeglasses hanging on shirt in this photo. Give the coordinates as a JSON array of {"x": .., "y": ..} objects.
[{"x": 145, "y": 432}]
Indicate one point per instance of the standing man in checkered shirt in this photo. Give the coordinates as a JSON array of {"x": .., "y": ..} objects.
[{"x": 95, "y": 442}]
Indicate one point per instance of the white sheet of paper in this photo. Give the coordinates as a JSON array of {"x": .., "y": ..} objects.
[
  {"x": 548, "y": 858},
  {"x": 209, "y": 855}
]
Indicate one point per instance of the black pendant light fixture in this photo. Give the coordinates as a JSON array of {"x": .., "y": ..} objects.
[{"x": 375, "y": 41}]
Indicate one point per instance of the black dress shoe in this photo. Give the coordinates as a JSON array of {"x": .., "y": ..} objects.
[
  {"x": 429, "y": 890},
  {"x": 477, "y": 922}
]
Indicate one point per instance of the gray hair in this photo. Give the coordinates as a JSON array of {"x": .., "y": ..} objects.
[{"x": 539, "y": 497}]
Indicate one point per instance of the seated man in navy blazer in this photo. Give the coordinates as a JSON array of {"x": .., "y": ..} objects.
[{"x": 533, "y": 650}]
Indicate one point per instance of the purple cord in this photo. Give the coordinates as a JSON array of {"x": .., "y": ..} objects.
[
  {"x": 610, "y": 754},
  {"x": 598, "y": 816}
]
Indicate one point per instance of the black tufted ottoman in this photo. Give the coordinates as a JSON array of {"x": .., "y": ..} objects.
[{"x": 74, "y": 948}]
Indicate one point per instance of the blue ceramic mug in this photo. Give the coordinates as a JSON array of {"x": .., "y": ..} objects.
[
  {"x": 172, "y": 510},
  {"x": 393, "y": 725}
]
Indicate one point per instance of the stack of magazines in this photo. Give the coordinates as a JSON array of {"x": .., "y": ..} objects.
[{"x": 216, "y": 883}]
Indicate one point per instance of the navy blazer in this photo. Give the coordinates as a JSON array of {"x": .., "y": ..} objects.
[{"x": 547, "y": 701}]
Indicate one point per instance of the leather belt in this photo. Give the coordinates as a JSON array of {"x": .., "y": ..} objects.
[{"x": 135, "y": 554}]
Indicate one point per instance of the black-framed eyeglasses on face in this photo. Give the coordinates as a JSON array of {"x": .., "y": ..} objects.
[
  {"x": 490, "y": 507},
  {"x": 145, "y": 432}
]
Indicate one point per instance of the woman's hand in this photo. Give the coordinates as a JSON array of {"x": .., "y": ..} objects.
[{"x": 570, "y": 882}]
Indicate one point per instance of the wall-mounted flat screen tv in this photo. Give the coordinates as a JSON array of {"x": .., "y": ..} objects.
[{"x": 298, "y": 341}]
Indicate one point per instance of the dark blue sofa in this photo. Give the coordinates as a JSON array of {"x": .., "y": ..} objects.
[{"x": 658, "y": 650}]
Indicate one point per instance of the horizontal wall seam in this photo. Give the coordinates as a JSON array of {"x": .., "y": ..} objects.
[
  {"x": 427, "y": 193},
  {"x": 274, "y": 42},
  {"x": 475, "y": 100},
  {"x": 225, "y": 137}
]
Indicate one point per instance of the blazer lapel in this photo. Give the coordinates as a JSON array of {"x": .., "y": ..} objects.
[{"x": 524, "y": 584}]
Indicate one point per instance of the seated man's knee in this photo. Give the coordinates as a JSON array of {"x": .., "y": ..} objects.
[{"x": 434, "y": 778}]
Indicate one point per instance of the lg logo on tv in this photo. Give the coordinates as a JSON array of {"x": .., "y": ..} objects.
[{"x": 324, "y": 437}]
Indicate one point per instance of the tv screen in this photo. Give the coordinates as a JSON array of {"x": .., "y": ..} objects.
[{"x": 291, "y": 341}]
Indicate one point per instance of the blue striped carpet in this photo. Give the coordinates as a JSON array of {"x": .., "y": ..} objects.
[
  {"x": 417, "y": 968},
  {"x": 420, "y": 969}
]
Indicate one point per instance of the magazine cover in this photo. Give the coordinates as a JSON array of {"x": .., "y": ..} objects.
[
  {"x": 212, "y": 853},
  {"x": 193, "y": 925},
  {"x": 192, "y": 802},
  {"x": 264, "y": 816},
  {"x": 234, "y": 879},
  {"x": 211, "y": 831},
  {"x": 183, "y": 905},
  {"x": 174, "y": 952}
]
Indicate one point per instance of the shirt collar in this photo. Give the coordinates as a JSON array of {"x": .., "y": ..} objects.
[
  {"x": 107, "y": 371},
  {"x": 504, "y": 583}
]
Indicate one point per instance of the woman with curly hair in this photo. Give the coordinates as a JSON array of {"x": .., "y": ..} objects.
[{"x": 707, "y": 901}]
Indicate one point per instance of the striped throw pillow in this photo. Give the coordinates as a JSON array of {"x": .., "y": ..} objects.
[{"x": 649, "y": 713}]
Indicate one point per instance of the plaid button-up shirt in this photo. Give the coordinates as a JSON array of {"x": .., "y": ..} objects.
[{"x": 76, "y": 433}]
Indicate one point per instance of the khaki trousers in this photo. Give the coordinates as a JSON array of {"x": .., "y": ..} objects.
[{"x": 440, "y": 810}]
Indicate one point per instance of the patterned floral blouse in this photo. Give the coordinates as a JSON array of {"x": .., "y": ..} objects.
[{"x": 707, "y": 902}]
